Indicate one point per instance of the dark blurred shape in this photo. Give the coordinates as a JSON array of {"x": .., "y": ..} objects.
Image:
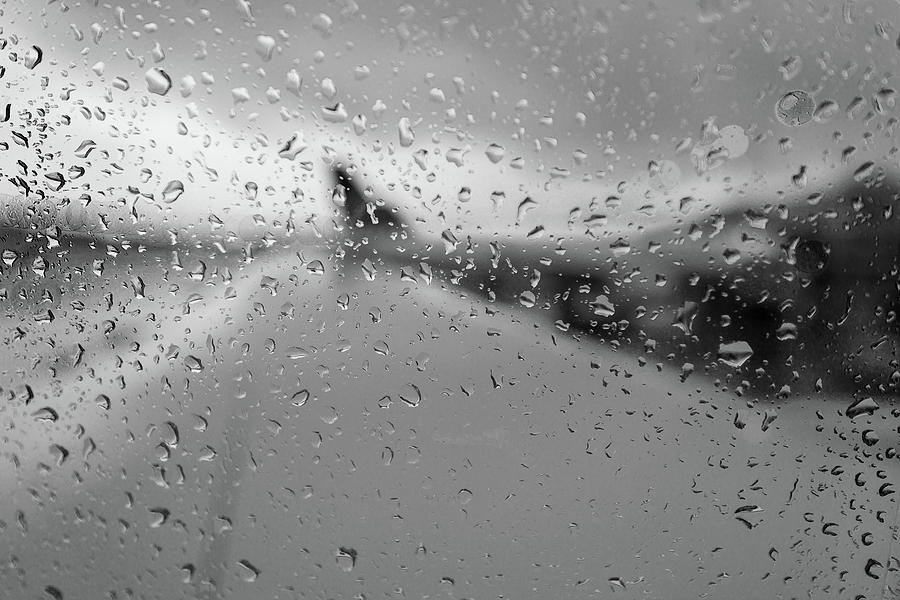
[
  {"x": 360, "y": 213},
  {"x": 822, "y": 314}
]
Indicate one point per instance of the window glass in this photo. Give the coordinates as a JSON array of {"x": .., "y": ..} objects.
[{"x": 478, "y": 300}]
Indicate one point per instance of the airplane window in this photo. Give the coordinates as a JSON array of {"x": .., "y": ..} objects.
[{"x": 514, "y": 299}]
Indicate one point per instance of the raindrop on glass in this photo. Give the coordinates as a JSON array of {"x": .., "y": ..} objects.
[
  {"x": 158, "y": 81},
  {"x": 795, "y": 108}
]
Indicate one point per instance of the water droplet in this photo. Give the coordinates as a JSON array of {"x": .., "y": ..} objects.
[
  {"x": 323, "y": 24},
  {"x": 297, "y": 353},
  {"x": 495, "y": 153},
  {"x": 346, "y": 558},
  {"x": 269, "y": 284},
  {"x": 300, "y": 398},
  {"x": 603, "y": 307},
  {"x": 786, "y": 331},
  {"x": 331, "y": 416},
  {"x": 239, "y": 95},
  {"x": 293, "y": 146},
  {"x": 536, "y": 232},
  {"x": 413, "y": 398},
  {"x": 735, "y": 354},
  {"x": 120, "y": 83},
  {"x": 525, "y": 206},
  {"x": 864, "y": 171},
  {"x": 359, "y": 124},
  {"x": 33, "y": 57},
  {"x": 57, "y": 179},
  {"x": 172, "y": 191},
  {"x": 826, "y": 111},
  {"x": 293, "y": 82},
  {"x": 795, "y": 108},
  {"x": 329, "y": 90},
  {"x": 9, "y": 257},
  {"x": 731, "y": 255},
  {"x": 863, "y": 406},
  {"x": 61, "y": 453},
  {"x": 158, "y": 517},
  {"x": 871, "y": 567},
  {"x": 620, "y": 247},
  {"x": 884, "y": 99},
  {"x": 405, "y": 132},
  {"x": 450, "y": 241},
  {"x": 527, "y": 299},
  {"x": 85, "y": 148},
  {"x": 791, "y": 67},
  {"x": 53, "y": 592},
  {"x": 734, "y": 140},
  {"x": 249, "y": 572},
  {"x": 315, "y": 267},
  {"x": 369, "y": 270},
  {"x": 455, "y": 156},
  {"x": 265, "y": 46},
  {"x": 768, "y": 418},
  {"x": 158, "y": 81},
  {"x": 193, "y": 363},
  {"x": 425, "y": 272},
  {"x": 870, "y": 437},
  {"x": 335, "y": 114},
  {"x": 46, "y": 414}
]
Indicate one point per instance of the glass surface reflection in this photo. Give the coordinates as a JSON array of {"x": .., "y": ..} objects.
[{"x": 392, "y": 300}]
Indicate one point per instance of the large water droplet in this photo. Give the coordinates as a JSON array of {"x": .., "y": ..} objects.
[
  {"x": 315, "y": 267},
  {"x": 735, "y": 354},
  {"x": 249, "y": 572},
  {"x": 863, "y": 406},
  {"x": 158, "y": 81},
  {"x": 84, "y": 149},
  {"x": 369, "y": 270},
  {"x": 603, "y": 307},
  {"x": 33, "y": 57},
  {"x": 873, "y": 568},
  {"x": 405, "y": 132},
  {"x": 864, "y": 171},
  {"x": 265, "y": 46},
  {"x": 450, "y": 241},
  {"x": 120, "y": 83},
  {"x": 335, "y": 114},
  {"x": 158, "y": 517},
  {"x": 173, "y": 191},
  {"x": 346, "y": 558},
  {"x": 795, "y": 108},
  {"x": 194, "y": 364},
  {"x": 495, "y": 153},
  {"x": 53, "y": 592},
  {"x": 527, "y": 299},
  {"x": 300, "y": 398}
]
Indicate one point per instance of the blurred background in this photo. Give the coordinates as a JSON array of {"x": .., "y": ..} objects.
[{"x": 327, "y": 299}]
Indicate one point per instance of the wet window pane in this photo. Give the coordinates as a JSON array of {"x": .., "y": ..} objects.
[{"x": 477, "y": 300}]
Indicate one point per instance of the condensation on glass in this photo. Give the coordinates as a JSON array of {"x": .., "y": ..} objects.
[{"x": 516, "y": 299}]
